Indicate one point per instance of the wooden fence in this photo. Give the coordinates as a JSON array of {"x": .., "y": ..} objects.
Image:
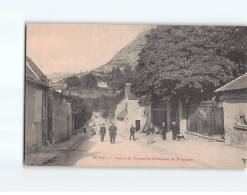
[{"x": 206, "y": 119}]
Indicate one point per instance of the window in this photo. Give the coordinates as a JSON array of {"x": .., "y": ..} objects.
[
  {"x": 145, "y": 112},
  {"x": 37, "y": 112}
]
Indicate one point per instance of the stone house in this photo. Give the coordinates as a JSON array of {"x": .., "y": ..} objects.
[
  {"x": 36, "y": 106},
  {"x": 128, "y": 112},
  {"x": 60, "y": 118},
  {"x": 234, "y": 95},
  {"x": 48, "y": 117}
]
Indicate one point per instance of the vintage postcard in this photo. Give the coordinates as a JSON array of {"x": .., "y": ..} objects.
[{"x": 108, "y": 95}]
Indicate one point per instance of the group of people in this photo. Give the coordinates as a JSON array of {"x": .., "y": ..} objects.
[
  {"x": 102, "y": 132},
  {"x": 149, "y": 132},
  {"x": 163, "y": 131}
]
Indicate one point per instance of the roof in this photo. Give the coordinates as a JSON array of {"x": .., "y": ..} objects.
[
  {"x": 34, "y": 74},
  {"x": 31, "y": 75},
  {"x": 38, "y": 72},
  {"x": 122, "y": 114},
  {"x": 59, "y": 86},
  {"x": 239, "y": 83}
]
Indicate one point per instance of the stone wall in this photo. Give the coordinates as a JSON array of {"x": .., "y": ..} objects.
[{"x": 234, "y": 105}]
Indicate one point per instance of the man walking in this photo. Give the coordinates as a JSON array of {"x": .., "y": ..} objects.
[
  {"x": 149, "y": 132},
  {"x": 132, "y": 132},
  {"x": 112, "y": 133},
  {"x": 163, "y": 130},
  {"x": 102, "y": 132},
  {"x": 174, "y": 130}
]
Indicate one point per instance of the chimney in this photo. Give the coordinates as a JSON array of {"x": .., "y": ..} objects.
[{"x": 127, "y": 90}]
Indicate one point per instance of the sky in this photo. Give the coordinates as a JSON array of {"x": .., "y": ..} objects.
[{"x": 76, "y": 47}]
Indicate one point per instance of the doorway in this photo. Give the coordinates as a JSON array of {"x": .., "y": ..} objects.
[{"x": 138, "y": 125}]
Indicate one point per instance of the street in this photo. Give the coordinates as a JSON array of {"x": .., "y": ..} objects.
[{"x": 90, "y": 151}]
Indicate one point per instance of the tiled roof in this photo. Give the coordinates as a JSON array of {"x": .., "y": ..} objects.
[
  {"x": 33, "y": 73},
  {"x": 239, "y": 83},
  {"x": 37, "y": 71},
  {"x": 30, "y": 75}
]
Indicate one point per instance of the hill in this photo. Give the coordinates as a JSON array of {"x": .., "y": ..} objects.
[{"x": 127, "y": 55}]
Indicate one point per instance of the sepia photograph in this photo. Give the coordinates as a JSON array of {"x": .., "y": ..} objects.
[{"x": 135, "y": 95}]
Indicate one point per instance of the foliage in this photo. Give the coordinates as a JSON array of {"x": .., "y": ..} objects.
[
  {"x": 105, "y": 104},
  {"x": 119, "y": 78},
  {"x": 80, "y": 110},
  {"x": 189, "y": 61},
  {"x": 72, "y": 81},
  {"x": 89, "y": 81},
  {"x": 128, "y": 73}
]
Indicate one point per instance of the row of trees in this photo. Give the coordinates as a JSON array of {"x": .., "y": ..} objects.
[
  {"x": 115, "y": 80},
  {"x": 87, "y": 81},
  {"x": 189, "y": 61}
]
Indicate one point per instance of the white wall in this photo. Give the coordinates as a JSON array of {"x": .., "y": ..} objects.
[{"x": 135, "y": 112}]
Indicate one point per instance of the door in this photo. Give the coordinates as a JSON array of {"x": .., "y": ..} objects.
[
  {"x": 159, "y": 116},
  {"x": 138, "y": 125}
]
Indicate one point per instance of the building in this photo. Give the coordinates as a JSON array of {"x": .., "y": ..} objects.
[
  {"x": 102, "y": 84},
  {"x": 60, "y": 123},
  {"x": 204, "y": 117},
  {"x": 201, "y": 117},
  {"x": 48, "y": 117},
  {"x": 129, "y": 112},
  {"x": 36, "y": 106},
  {"x": 234, "y": 95}
]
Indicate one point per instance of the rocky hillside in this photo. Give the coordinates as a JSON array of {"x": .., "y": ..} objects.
[{"x": 127, "y": 55}]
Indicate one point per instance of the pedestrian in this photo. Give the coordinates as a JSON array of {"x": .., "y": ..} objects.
[
  {"x": 93, "y": 130},
  {"x": 84, "y": 129},
  {"x": 163, "y": 130},
  {"x": 132, "y": 132},
  {"x": 174, "y": 130},
  {"x": 149, "y": 132},
  {"x": 102, "y": 132},
  {"x": 112, "y": 133}
]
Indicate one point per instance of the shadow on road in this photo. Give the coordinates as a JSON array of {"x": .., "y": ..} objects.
[{"x": 70, "y": 158}]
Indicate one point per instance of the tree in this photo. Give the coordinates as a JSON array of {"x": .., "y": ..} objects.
[
  {"x": 89, "y": 81},
  {"x": 128, "y": 73},
  {"x": 72, "y": 81},
  {"x": 105, "y": 104},
  {"x": 189, "y": 61},
  {"x": 80, "y": 110},
  {"x": 116, "y": 81},
  {"x": 119, "y": 78}
]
